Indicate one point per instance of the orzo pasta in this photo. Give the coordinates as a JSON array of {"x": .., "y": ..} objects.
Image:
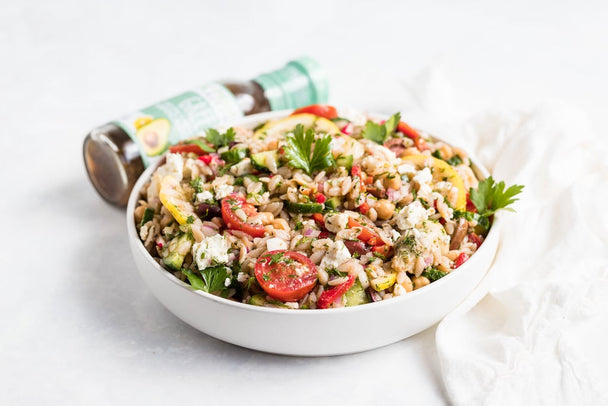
[{"x": 314, "y": 212}]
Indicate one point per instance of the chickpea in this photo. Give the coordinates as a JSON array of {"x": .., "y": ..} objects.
[
  {"x": 420, "y": 282},
  {"x": 393, "y": 181},
  {"x": 384, "y": 208},
  {"x": 139, "y": 213}
]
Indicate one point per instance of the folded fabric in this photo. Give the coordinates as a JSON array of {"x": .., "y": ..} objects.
[{"x": 538, "y": 336}]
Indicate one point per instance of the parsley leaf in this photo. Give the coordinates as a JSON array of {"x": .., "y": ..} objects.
[
  {"x": 202, "y": 145},
  {"x": 211, "y": 279},
  {"x": 220, "y": 140},
  {"x": 433, "y": 274},
  {"x": 491, "y": 196},
  {"x": 379, "y": 133},
  {"x": 300, "y": 152}
]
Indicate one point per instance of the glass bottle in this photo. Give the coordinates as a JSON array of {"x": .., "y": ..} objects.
[{"x": 116, "y": 153}]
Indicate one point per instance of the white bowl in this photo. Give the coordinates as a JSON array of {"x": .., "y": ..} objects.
[{"x": 310, "y": 332}]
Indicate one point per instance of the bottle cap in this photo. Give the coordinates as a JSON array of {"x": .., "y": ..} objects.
[{"x": 299, "y": 83}]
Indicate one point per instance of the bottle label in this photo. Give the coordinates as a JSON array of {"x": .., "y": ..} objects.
[{"x": 155, "y": 128}]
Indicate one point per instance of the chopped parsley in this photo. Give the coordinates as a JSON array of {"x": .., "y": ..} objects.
[
  {"x": 190, "y": 219},
  {"x": 278, "y": 257},
  {"x": 299, "y": 150},
  {"x": 432, "y": 274},
  {"x": 455, "y": 160},
  {"x": 197, "y": 184}
]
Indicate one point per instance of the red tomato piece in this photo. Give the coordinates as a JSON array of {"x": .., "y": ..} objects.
[
  {"x": 364, "y": 208},
  {"x": 366, "y": 235},
  {"x": 286, "y": 275},
  {"x": 320, "y": 198},
  {"x": 383, "y": 251},
  {"x": 331, "y": 295},
  {"x": 185, "y": 148},
  {"x": 321, "y": 110},
  {"x": 237, "y": 201},
  {"x": 461, "y": 259},
  {"x": 318, "y": 218}
]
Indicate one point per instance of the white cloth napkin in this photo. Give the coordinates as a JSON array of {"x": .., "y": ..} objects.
[{"x": 536, "y": 330}]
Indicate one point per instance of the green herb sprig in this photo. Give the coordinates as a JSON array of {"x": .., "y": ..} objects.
[
  {"x": 491, "y": 196},
  {"x": 379, "y": 133},
  {"x": 299, "y": 150}
]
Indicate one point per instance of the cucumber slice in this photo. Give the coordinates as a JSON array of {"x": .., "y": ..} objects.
[
  {"x": 174, "y": 259},
  {"x": 304, "y": 208},
  {"x": 264, "y": 160},
  {"x": 257, "y": 300},
  {"x": 356, "y": 295},
  {"x": 234, "y": 155},
  {"x": 345, "y": 161},
  {"x": 148, "y": 215},
  {"x": 333, "y": 203}
]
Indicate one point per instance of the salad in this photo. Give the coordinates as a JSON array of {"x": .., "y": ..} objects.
[{"x": 316, "y": 210}]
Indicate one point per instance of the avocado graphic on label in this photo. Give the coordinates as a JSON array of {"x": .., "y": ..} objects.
[{"x": 154, "y": 136}]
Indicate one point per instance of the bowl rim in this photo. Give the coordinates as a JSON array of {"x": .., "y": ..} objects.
[{"x": 493, "y": 234}]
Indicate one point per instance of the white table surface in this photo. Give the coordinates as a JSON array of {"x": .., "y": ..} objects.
[{"x": 78, "y": 325}]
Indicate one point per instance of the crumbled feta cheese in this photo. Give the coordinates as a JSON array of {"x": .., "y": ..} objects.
[
  {"x": 336, "y": 256},
  {"x": 406, "y": 169},
  {"x": 227, "y": 282},
  {"x": 211, "y": 251},
  {"x": 423, "y": 177},
  {"x": 411, "y": 215},
  {"x": 174, "y": 167},
  {"x": 356, "y": 117},
  {"x": 395, "y": 235},
  {"x": 274, "y": 244},
  {"x": 204, "y": 196},
  {"x": 443, "y": 187},
  {"x": 222, "y": 191},
  {"x": 336, "y": 222}
]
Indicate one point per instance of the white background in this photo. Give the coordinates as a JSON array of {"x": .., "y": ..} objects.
[{"x": 78, "y": 326}]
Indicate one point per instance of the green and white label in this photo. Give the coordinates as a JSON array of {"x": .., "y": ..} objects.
[{"x": 186, "y": 115}]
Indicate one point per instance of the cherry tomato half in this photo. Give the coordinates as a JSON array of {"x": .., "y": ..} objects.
[
  {"x": 321, "y": 110},
  {"x": 237, "y": 201},
  {"x": 285, "y": 275}
]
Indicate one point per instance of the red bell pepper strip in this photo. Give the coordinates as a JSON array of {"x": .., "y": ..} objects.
[
  {"x": 411, "y": 133},
  {"x": 184, "y": 148},
  {"x": 332, "y": 294},
  {"x": 461, "y": 259},
  {"x": 321, "y": 110},
  {"x": 475, "y": 239}
]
